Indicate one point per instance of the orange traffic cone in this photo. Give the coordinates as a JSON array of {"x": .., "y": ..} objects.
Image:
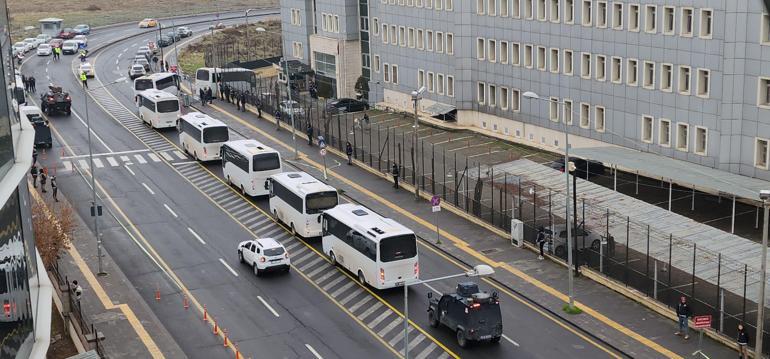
[
  {"x": 224, "y": 331},
  {"x": 186, "y": 303},
  {"x": 157, "y": 294},
  {"x": 216, "y": 327}
]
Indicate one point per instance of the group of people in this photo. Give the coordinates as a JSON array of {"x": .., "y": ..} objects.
[
  {"x": 234, "y": 96},
  {"x": 29, "y": 83},
  {"x": 42, "y": 173},
  {"x": 206, "y": 95},
  {"x": 56, "y": 53}
]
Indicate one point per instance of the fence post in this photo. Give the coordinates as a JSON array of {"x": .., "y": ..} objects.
[
  {"x": 628, "y": 225},
  {"x": 670, "y": 247},
  {"x": 339, "y": 130},
  {"x": 721, "y": 310},
  {"x": 519, "y": 201},
  {"x": 719, "y": 288},
  {"x": 422, "y": 164},
  {"x": 443, "y": 175},
  {"x": 534, "y": 208},
  {"x": 550, "y": 213},
  {"x": 694, "y": 252},
  {"x": 492, "y": 191},
  {"x": 655, "y": 280},
  {"x": 745, "y": 275},
  {"x": 467, "y": 185},
  {"x": 647, "y": 267}
]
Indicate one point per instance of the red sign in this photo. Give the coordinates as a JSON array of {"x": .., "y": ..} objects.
[{"x": 701, "y": 321}]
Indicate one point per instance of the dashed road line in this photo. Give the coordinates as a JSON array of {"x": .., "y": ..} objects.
[
  {"x": 266, "y": 304},
  {"x": 148, "y": 189},
  {"x": 170, "y": 210},
  {"x": 196, "y": 236},
  {"x": 229, "y": 268}
]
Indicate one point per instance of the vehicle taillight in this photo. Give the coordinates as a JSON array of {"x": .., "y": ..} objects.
[
  {"x": 50, "y": 98},
  {"x": 382, "y": 275},
  {"x": 416, "y": 269},
  {"x": 475, "y": 305},
  {"x": 262, "y": 259},
  {"x": 7, "y": 309},
  {"x": 286, "y": 255},
  {"x": 69, "y": 98}
]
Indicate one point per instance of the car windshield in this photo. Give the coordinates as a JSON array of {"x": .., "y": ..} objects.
[
  {"x": 137, "y": 68},
  {"x": 44, "y": 46},
  {"x": 277, "y": 251},
  {"x": 266, "y": 162},
  {"x": 168, "y": 106},
  {"x": 317, "y": 202},
  {"x": 398, "y": 248}
]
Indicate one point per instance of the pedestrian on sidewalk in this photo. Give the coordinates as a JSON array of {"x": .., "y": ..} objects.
[
  {"x": 221, "y": 93},
  {"x": 34, "y": 156},
  {"x": 43, "y": 179},
  {"x": 32, "y": 84},
  {"x": 683, "y": 313},
  {"x": 243, "y": 100},
  {"x": 227, "y": 93},
  {"x": 277, "y": 120},
  {"x": 54, "y": 188},
  {"x": 540, "y": 241},
  {"x": 349, "y": 152},
  {"x": 366, "y": 119},
  {"x": 209, "y": 95},
  {"x": 309, "y": 132},
  {"x": 743, "y": 343},
  {"x": 259, "y": 108},
  {"x": 77, "y": 291},
  {"x": 395, "y": 174},
  {"x": 25, "y": 82},
  {"x": 202, "y": 94},
  {"x": 34, "y": 172}
]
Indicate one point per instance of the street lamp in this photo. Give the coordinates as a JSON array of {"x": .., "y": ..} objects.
[
  {"x": 481, "y": 270},
  {"x": 94, "y": 208},
  {"x": 416, "y": 97},
  {"x": 570, "y": 240},
  {"x": 246, "y": 18},
  {"x": 764, "y": 195}
]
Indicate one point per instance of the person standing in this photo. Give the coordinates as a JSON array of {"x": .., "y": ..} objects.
[
  {"x": 54, "y": 188},
  {"x": 349, "y": 152},
  {"x": 84, "y": 79},
  {"x": 243, "y": 101},
  {"x": 202, "y": 94},
  {"x": 34, "y": 172},
  {"x": 221, "y": 92},
  {"x": 209, "y": 95},
  {"x": 25, "y": 82},
  {"x": 278, "y": 120},
  {"x": 34, "y": 156},
  {"x": 540, "y": 241},
  {"x": 43, "y": 179},
  {"x": 683, "y": 313},
  {"x": 309, "y": 132},
  {"x": 32, "y": 84},
  {"x": 743, "y": 343},
  {"x": 259, "y": 108},
  {"x": 77, "y": 291},
  {"x": 395, "y": 174}
]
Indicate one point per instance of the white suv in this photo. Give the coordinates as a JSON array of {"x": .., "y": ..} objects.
[{"x": 264, "y": 254}]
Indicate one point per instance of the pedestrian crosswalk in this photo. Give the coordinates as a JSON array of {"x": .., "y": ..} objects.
[{"x": 107, "y": 160}]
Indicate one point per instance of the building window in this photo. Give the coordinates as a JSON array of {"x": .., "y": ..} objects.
[
  {"x": 439, "y": 42},
  {"x": 585, "y": 65},
  {"x": 492, "y": 50},
  {"x": 384, "y": 33},
  {"x": 760, "y": 153},
  {"x": 450, "y": 86},
  {"x": 701, "y": 140},
  {"x": 585, "y": 13},
  {"x": 504, "y": 98},
  {"x": 617, "y": 16},
  {"x": 492, "y": 96},
  {"x": 651, "y": 19},
  {"x": 529, "y": 9},
  {"x": 420, "y": 39},
  {"x": 418, "y": 3},
  {"x": 324, "y": 25},
  {"x": 601, "y": 67},
  {"x": 515, "y": 100},
  {"x": 706, "y": 23},
  {"x": 429, "y": 40},
  {"x": 450, "y": 43},
  {"x": 337, "y": 24},
  {"x": 682, "y": 136},
  {"x": 648, "y": 81},
  {"x": 704, "y": 83},
  {"x": 553, "y": 60},
  {"x": 633, "y": 17},
  {"x": 528, "y": 56},
  {"x": 585, "y": 114},
  {"x": 479, "y": 6},
  {"x": 410, "y": 37},
  {"x": 394, "y": 70},
  {"x": 386, "y": 72},
  {"x": 541, "y": 58},
  {"x": 376, "y": 26},
  {"x": 568, "y": 62},
  {"x": 439, "y": 5},
  {"x": 763, "y": 99},
  {"x": 687, "y": 22},
  {"x": 504, "y": 8},
  {"x": 569, "y": 11},
  {"x": 616, "y": 70},
  {"x": 480, "y": 50},
  {"x": 420, "y": 78},
  {"x": 377, "y": 63},
  {"x": 431, "y": 82},
  {"x": 647, "y": 128},
  {"x": 632, "y": 72},
  {"x": 516, "y": 9},
  {"x": 401, "y": 36},
  {"x": 666, "y": 77},
  {"x": 668, "y": 20},
  {"x": 428, "y": 4},
  {"x": 684, "y": 80},
  {"x": 553, "y": 109},
  {"x": 764, "y": 38},
  {"x": 297, "y": 50},
  {"x": 296, "y": 19},
  {"x": 599, "y": 118},
  {"x": 450, "y": 5},
  {"x": 664, "y": 133},
  {"x": 393, "y": 36},
  {"x": 601, "y": 14},
  {"x": 554, "y": 10},
  {"x": 540, "y": 10},
  {"x": 568, "y": 111},
  {"x": 515, "y": 55},
  {"x": 504, "y": 52},
  {"x": 481, "y": 91},
  {"x": 492, "y": 8}
]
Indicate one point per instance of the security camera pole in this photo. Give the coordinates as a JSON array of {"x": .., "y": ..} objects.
[
  {"x": 416, "y": 97},
  {"x": 764, "y": 195}
]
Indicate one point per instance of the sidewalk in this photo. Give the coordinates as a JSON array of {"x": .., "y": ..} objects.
[
  {"x": 616, "y": 319},
  {"x": 110, "y": 303}
]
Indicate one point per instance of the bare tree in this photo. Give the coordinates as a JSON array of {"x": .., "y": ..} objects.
[{"x": 53, "y": 229}]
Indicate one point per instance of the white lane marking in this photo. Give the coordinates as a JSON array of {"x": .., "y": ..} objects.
[
  {"x": 83, "y": 164},
  {"x": 170, "y": 210},
  {"x": 124, "y": 50},
  {"x": 125, "y": 158},
  {"x": 92, "y": 131},
  {"x": 105, "y": 154},
  {"x": 180, "y": 155},
  {"x": 153, "y": 157},
  {"x": 117, "y": 61},
  {"x": 46, "y": 70},
  {"x": 121, "y": 54},
  {"x": 67, "y": 166},
  {"x": 510, "y": 340},
  {"x": 148, "y": 188},
  {"x": 166, "y": 156},
  {"x": 264, "y": 302},
  {"x": 112, "y": 161},
  {"x": 140, "y": 159},
  {"x": 315, "y": 353},
  {"x": 48, "y": 63},
  {"x": 196, "y": 236},
  {"x": 235, "y": 274},
  {"x": 129, "y": 170},
  {"x": 98, "y": 163},
  {"x": 433, "y": 289},
  {"x": 133, "y": 45}
]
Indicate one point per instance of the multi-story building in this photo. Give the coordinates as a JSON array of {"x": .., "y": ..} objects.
[
  {"x": 682, "y": 79},
  {"x": 25, "y": 290}
]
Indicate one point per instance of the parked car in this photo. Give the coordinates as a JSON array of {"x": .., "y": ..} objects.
[
  {"x": 292, "y": 106},
  {"x": 136, "y": 70},
  {"x": 67, "y": 33},
  {"x": 69, "y": 47},
  {"x": 264, "y": 254},
  {"x": 184, "y": 31},
  {"x": 584, "y": 239},
  {"x": 44, "y": 50},
  {"x": 595, "y": 168},
  {"x": 87, "y": 68},
  {"x": 165, "y": 40},
  {"x": 82, "y": 29},
  {"x": 19, "y": 47},
  {"x": 346, "y": 105},
  {"x": 55, "y": 100},
  {"x": 32, "y": 42},
  {"x": 44, "y": 38},
  {"x": 141, "y": 60},
  {"x": 471, "y": 314},
  {"x": 174, "y": 35},
  {"x": 42, "y": 128},
  {"x": 144, "y": 51},
  {"x": 148, "y": 23},
  {"x": 81, "y": 39}
]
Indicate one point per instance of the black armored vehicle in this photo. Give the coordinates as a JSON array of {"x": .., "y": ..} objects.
[
  {"x": 55, "y": 100},
  {"x": 473, "y": 315}
]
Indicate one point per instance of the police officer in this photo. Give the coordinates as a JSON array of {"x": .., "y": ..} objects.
[
  {"x": 202, "y": 94},
  {"x": 43, "y": 178},
  {"x": 309, "y": 132},
  {"x": 84, "y": 79},
  {"x": 349, "y": 152},
  {"x": 32, "y": 84},
  {"x": 278, "y": 120},
  {"x": 34, "y": 172},
  {"x": 395, "y": 174},
  {"x": 54, "y": 188}
]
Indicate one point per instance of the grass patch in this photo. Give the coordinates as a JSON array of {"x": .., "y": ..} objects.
[{"x": 574, "y": 310}]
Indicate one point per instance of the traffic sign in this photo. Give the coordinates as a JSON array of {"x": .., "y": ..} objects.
[
  {"x": 435, "y": 200},
  {"x": 323, "y": 152},
  {"x": 701, "y": 321},
  {"x": 436, "y": 209}
]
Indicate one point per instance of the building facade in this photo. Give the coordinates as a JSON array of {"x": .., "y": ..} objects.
[
  {"x": 25, "y": 290},
  {"x": 683, "y": 79}
]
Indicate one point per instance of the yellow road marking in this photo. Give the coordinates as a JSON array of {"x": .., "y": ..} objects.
[{"x": 463, "y": 245}]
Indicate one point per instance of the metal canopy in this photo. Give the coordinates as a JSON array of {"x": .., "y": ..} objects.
[
  {"x": 652, "y": 165},
  {"x": 438, "y": 109}
]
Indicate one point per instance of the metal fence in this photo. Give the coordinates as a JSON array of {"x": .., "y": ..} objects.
[{"x": 83, "y": 326}]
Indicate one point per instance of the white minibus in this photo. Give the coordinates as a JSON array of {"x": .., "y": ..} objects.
[
  {"x": 209, "y": 77},
  {"x": 246, "y": 164},
  {"x": 158, "y": 81},
  {"x": 202, "y": 136},
  {"x": 159, "y": 109},
  {"x": 378, "y": 250},
  {"x": 298, "y": 199}
]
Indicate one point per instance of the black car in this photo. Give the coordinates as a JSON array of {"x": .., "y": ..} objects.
[
  {"x": 42, "y": 131},
  {"x": 346, "y": 105},
  {"x": 473, "y": 315},
  {"x": 595, "y": 168},
  {"x": 165, "y": 40},
  {"x": 55, "y": 100}
]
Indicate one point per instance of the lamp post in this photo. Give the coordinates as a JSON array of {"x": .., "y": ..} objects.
[
  {"x": 416, "y": 97},
  {"x": 764, "y": 195},
  {"x": 481, "y": 270},
  {"x": 246, "y": 18},
  {"x": 94, "y": 208},
  {"x": 570, "y": 240}
]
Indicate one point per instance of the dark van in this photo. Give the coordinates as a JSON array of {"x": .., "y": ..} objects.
[{"x": 473, "y": 315}]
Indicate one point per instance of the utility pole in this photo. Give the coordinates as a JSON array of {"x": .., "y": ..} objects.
[{"x": 764, "y": 195}]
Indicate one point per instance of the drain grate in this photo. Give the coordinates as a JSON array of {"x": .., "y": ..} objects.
[{"x": 490, "y": 250}]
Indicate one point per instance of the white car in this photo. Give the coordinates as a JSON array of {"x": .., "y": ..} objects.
[
  {"x": 69, "y": 47},
  {"x": 291, "y": 106},
  {"x": 264, "y": 254},
  {"x": 31, "y": 42},
  {"x": 87, "y": 68},
  {"x": 81, "y": 39},
  {"x": 136, "y": 70},
  {"x": 20, "y": 48},
  {"x": 43, "y": 38},
  {"x": 44, "y": 50}
]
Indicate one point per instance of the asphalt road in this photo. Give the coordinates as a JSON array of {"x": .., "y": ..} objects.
[{"x": 178, "y": 205}]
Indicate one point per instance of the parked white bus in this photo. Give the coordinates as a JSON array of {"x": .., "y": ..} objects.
[
  {"x": 246, "y": 164},
  {"x": 202, "y": 136},
  {"x": 158, "y": 81},
  {"x": 298, "y": 199},
  {"x": 209, "y": 77},
  {"x": 159, "y": 109},
  {"x": 379, "y": 250}
]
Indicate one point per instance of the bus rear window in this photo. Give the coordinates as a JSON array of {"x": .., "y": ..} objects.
[
  {"x": 317, "y": 202},
  {"x": 143, "y": 84},
  {"x": 398, "y": 248},
  {"x": 202, "y": 75},
  {"x": 165, "y": 83},
  {"x": 266, "y": 162},
  {"x": 168, "y": 106},
  {"x": 215, "y": 134}
]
